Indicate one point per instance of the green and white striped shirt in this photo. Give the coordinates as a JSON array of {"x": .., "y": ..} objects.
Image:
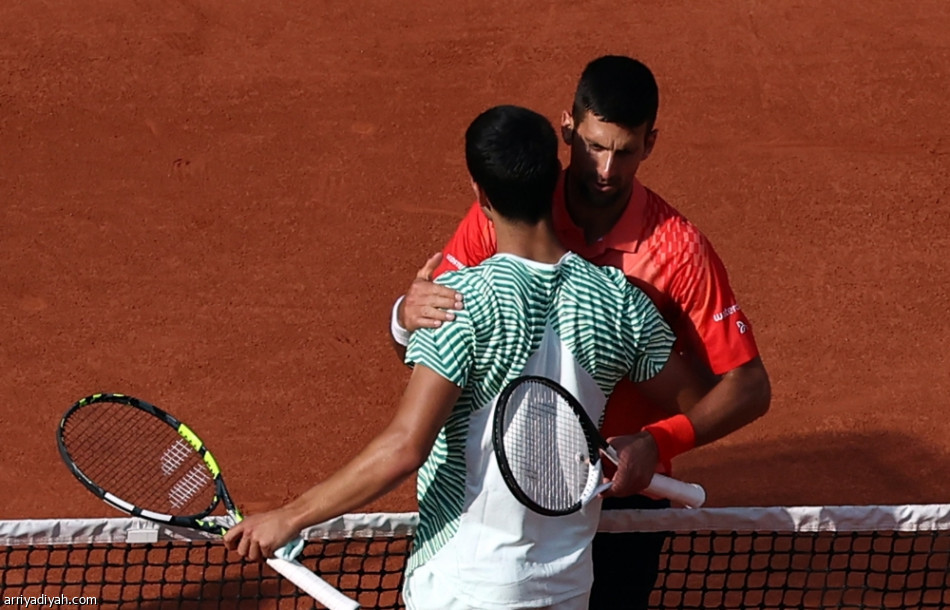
[{"x": 581, "y": 325}]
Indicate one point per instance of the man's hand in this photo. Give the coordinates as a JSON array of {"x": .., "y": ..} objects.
[
  {"x": 427, "y": 304},
  {"x": 257, "y": 537},
  {"x": 638, "y": 461}
]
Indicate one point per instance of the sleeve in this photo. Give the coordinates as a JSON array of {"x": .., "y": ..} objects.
[
  {"x": 714, "y": 323},
  {"x": 647, "y": 336},
  {"x": 448, "y": 350},
  {"x": 473, "y": 242}
]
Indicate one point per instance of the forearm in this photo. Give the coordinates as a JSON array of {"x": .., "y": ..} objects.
[{"x": 378, "y": 469}]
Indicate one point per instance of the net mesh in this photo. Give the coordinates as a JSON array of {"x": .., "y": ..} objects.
[{"x": 799, "y": 557}]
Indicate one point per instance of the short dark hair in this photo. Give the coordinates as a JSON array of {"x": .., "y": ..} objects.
[
  {"x": 617, "y": 89},
  {"x": 511, "y": 153}
]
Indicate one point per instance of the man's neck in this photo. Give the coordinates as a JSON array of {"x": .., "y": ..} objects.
[
  {"x": 595, "y": 218},
  {"x": 533, "y": 242}
]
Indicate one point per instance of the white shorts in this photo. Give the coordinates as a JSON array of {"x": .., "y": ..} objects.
[{"x": 424, "y": 591}]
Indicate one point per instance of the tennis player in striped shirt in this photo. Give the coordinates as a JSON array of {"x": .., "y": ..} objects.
[{"x": 532, "y": 308}]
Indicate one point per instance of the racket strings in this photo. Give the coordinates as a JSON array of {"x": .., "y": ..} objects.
[
  {"x": 546, "y": 449},
  {"x": 138, "y": 458},
  {"x": 105, "y": 457}
]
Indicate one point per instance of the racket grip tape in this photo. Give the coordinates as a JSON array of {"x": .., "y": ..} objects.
[
  {"x": 313, "y": 585},
  {"x": 690, "y": 495}
]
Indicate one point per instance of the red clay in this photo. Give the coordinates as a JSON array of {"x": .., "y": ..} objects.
[{"x": 212, "y": 205}]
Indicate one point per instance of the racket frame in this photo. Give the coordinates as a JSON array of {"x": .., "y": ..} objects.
[
  {"x": 498, "y": 438},
  {"x": 292, "y": 570},
  {"x": 196, "y": 521},
  {"x": 690, "y": 495}
]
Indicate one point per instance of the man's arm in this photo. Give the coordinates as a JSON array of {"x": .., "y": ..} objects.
[
  {"x": 722, "y": 334},
  {"x": 741, "y": 397},
  {"x": 721, "y": 349},
  {"x": 700, "y": 409},
  {"x": 380, "y": 467}
]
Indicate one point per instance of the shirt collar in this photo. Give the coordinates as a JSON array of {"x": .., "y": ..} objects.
[{"x": 625, "y": 235}]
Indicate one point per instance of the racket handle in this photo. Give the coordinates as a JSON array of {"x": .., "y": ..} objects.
[
  {"x": 690, "y": 495},
  {"x": 313, "y": 585},
  {"x": 611, "y": 453}
]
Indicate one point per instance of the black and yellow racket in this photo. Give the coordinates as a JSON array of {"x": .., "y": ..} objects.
[
  {"x": 548, "y": 450},
  {"x": 143, "y": 461}
]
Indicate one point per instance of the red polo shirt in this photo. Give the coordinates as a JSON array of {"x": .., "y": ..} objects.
[{"x": 664, "y": 255}]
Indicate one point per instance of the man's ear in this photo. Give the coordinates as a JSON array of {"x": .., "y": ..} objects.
[
  {"x": 482, "y": 200},
  {"x": 649, "y": 142},
  {"x": 567, "y": 127}
]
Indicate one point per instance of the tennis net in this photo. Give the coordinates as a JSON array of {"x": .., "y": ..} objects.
[{"x": 728, "y": 558}]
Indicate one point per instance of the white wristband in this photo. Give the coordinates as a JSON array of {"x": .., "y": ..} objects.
[{"x": 400, "y": 334}]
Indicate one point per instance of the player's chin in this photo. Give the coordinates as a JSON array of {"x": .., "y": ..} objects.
[
  {"x": 601, "y": 195},
  {"x": 603, "y": 200}
]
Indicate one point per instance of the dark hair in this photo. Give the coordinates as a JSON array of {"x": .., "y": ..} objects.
[
  {"x": 617, "y": 89},
  {"x": 511, "y": 152}
]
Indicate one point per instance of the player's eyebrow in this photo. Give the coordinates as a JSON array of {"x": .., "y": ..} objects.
[
  {"x": 626, "y": 149},
  {"x": 591, "y": 142}
]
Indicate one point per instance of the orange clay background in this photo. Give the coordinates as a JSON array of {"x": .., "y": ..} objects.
[{"x": 212, "y": 205}]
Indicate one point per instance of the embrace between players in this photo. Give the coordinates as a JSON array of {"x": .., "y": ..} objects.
[{"x": 667, "y": 373}]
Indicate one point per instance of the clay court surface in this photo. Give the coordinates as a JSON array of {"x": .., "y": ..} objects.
[{"x": 212, "y": 205}]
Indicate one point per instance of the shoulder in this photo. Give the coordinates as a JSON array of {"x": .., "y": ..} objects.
[
  {"x": 668, "y": 219},
  {"x": 672, "y": 236},
  {"x": 476, "y": 285},
  {"x": 476, "y": 276},
  {"x": 601, "y": 287},
  {"x": 579, "y": 267}
]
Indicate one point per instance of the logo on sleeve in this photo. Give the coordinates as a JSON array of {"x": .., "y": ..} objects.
[
  {"x": 725, "y": 313},
  {"x": 454, "y": 261},
  {"x": 742, "y": 326}
]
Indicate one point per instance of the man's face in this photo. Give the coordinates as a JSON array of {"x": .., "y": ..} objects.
[{"x": 605, "y": 157}]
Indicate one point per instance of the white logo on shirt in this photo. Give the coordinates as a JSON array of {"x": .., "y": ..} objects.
[
  {"x": 725, "y": 313},
  {"x": 742, "y": 327},
  {"x": 454, "y": 261}
]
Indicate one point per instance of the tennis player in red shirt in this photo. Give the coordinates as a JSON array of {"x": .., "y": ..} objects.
[{"x": 602, "y": 212}]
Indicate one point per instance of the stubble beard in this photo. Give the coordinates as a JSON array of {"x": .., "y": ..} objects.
[{"x": 602, "y": 201}]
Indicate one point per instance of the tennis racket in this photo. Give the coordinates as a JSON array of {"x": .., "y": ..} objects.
[
  {"x": 548, "y": 450},
  {"x": 142, "y": 461}
]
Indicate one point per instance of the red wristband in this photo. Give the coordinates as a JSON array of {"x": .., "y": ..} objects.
[{"x": 673, "y": 436}]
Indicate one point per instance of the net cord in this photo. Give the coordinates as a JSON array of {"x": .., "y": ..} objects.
[{"x": 904, "y": 518}]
